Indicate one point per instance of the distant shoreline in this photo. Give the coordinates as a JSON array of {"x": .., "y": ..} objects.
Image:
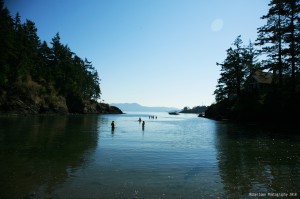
[{"x": 135, "y": 107}]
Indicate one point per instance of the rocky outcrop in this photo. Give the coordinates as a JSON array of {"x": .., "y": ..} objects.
[
  {"x": 100, "y": 108},
  {"x": 33, "y": 104},
  {"x": 53, "y": 104}
]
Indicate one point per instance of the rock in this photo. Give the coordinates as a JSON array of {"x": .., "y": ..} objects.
[
  {"x": 106, "y": 109},
  {"x": 94, "y": 107},
  {"x": 115, "y": 110},
  {"x": 52, "y": 104}
]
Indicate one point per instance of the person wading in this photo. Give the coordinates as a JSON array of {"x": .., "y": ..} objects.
[{"x": 112, "y": 125}]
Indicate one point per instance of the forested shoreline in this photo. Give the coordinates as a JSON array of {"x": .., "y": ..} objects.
[
  {"x": 36, "y": 77},
  {"x": 260, "y": 81}
]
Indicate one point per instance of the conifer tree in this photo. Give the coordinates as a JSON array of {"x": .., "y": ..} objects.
[
  {"x": 279, "y": 39},
  {"x": 291, "y": 38},
  {"x": 232, "y": 72},
  {"x": 6, "y": 46},
  {"x": 29, "y": 67}
]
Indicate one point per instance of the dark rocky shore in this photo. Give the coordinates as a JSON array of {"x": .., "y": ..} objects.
[{"x": 53, "y": 105}]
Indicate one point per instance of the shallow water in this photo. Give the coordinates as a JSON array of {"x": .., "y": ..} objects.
[{"x": 174, "y": 156}]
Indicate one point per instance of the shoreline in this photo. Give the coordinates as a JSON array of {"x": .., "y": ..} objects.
[{"x": 36, "y": 109}]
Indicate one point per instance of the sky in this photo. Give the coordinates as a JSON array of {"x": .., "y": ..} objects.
[{"x": 151, "y": 52}]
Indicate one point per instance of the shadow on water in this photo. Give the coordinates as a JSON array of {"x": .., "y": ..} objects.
[
  {"x": 40, "y": 152},
  {"x": 252, "y": 160}
]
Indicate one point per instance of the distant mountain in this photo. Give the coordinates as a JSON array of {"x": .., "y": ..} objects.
[{"x": 135, "y": 107}]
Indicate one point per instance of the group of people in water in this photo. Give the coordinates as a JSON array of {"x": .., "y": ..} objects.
[{"x": 140, "y": 120}]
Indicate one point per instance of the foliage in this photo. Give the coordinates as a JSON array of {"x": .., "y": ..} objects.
[
  {"x": 239, "y": 63},
  {"x": 279, "y": 39},
  {"x": 279, "y": 42},
  {"x": 29, "y": 66}
]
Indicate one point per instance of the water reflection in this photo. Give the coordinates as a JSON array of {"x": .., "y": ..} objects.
[
  {"x": 174, "y": 157},
  {"x": 41, "y": 152},
  {"x": 256, "y": 161}
]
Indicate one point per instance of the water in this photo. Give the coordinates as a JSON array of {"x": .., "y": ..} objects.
[{"x": 174, "y": 156}]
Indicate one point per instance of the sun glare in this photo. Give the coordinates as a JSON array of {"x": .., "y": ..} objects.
[{"x": 217, "y": 25}]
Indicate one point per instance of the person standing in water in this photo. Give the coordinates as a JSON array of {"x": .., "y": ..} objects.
[
  {"x": 112, "y": 125},
  {"x": 143, "y": 125}
]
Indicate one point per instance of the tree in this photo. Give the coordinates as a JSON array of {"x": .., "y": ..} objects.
[
  {"x": 61, "y": 66},
  {"x": 270, "y": 38},
  {"x": 237, "y": 66},
  {"x": 250, "y": 60},
  {"x": 291, "y": 37},
  {"x": 32, "y": 44},
  {"x": 229, "y": 84},
  {"x": 6, "y": 46},
  {"x": 43, "y": 67},
  {"x": 279, "y": 38},
  {"x": 29, "y": 68},
  {"x": 92, "y": 89}
]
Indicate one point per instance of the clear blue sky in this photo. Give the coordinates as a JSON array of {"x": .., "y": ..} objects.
[{"x": 153, "y": 52}]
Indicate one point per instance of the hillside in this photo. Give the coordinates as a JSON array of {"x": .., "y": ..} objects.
[{"x": 36, "y": 77}]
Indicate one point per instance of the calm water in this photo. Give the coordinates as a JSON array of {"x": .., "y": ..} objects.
[{"x": 181, "y": 156}]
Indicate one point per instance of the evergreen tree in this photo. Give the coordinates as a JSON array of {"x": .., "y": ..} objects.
[
  {"x": 61, "y": 66},
  {"x": 92, "y": 81},
  {"x": 28, "y": 68},
  {"x": 43, "y": 67},
  {"x": 279, "y": 39},
  {"x": 32, "y": 44},
  {"x": 238, "y": 65},
  {"x": 291, "y": 38},
  {"x": 232, "y": 73},
  {"x": 250, "y": 55},
  {"x": 6, "y": 46}
]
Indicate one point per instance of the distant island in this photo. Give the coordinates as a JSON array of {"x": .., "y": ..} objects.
[
  {"x": 196, "y": 110},
  {"x": 135, "y": 107}
]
